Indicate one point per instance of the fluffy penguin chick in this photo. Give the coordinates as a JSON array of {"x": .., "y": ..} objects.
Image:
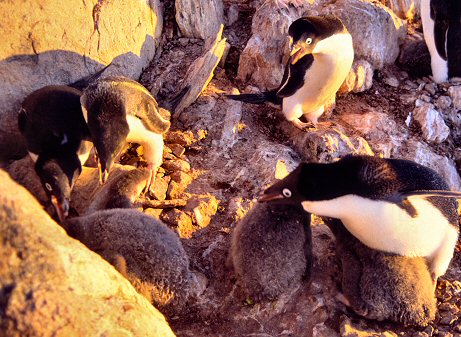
[
  {"x": 120, "y": 192},
  {"x": 118, "y": 110},
  {"x": 383, "y": 286},
  {"x": 374, "y": 199},
  {"x": 271, "y": 250},
  {"x": 442, "y": 33},
  {"x": 321, "y": 57},
  {"x": 144, "y": 250}
]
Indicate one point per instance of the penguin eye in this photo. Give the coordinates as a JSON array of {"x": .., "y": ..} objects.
[
  {"x": 286, "y": 193},
  {"x": 48, "y": 187},
  {"x": 308, "y": 40}
]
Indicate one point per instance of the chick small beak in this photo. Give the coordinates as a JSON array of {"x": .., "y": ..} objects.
[
  {"x": 270, "y": 197},
  {"x": 62, "y": 209}
]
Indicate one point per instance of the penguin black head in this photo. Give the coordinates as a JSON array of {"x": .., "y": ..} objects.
[
  {"x": 287, "y": 190},
  {"x": 307, "y": 32},
  {"x": 58, "y": 175}
]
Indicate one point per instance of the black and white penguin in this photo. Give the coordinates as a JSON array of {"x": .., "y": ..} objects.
[
  {"x": 442, "y": 32},
  {"x": 57, "y": 139},
  {"x": 271, "y": 250},
  {"x": 383, "y": 286},
  {"x": 321, "y": 57},
  {"x": 374, "y": 199},
  {"x": 119, "y": 110}
]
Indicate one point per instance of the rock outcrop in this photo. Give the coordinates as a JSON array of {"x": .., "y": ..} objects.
[
  {"x": 51, "y": 285},
  {"x": 55, "y": 42}
]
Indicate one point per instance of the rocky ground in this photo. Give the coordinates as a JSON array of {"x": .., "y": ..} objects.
[{"x": 221, "y": 154}]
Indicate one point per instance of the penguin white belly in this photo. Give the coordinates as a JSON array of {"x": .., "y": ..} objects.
[
  {"x": 385, "y": 226},
  {"x": 438, "y": 65},
  {"x": 151, "y": 142},
  {"x": 333, "y": 59}
]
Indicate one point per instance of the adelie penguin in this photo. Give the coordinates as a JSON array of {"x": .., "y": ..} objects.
[
  {"x": 442, "y": 32},
  {"x": 390, "y": 205},
  {"x": 321, "y": 57},
  {"x": 120, "y": 110},
  {"x": 57, "y": 137}
]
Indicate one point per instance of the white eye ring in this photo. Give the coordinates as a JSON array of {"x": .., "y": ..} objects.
[
  {"x": 309, "y": 40},
  {"x": 286, "y": 193},
  {"x": 48, "y": 187}
]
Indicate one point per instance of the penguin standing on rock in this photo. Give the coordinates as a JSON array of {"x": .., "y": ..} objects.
[
  {"x": 320, "y": 59},
  {"x": 442, "y": 32},
  {"x": 391, "y": 205},
  {"x": 118, "y": 110},
  {"x": 56, "y": 135}
]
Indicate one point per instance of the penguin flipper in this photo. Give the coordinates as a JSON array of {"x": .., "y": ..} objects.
[
  {"x": 431, "y": 193},
  {"x": 293, "y": 76},
  {"x": 259, "y": 98},
  {"x": 86, "y": 81},
  {"x": 438, "y": 12}
]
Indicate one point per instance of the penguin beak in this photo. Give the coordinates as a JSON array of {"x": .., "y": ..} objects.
[
  {"x": 62, "y": 209},
  {"x": 298, "y": 51},
  {"x": 103, "y": 174},
  {"x": 270, "y": 197}
]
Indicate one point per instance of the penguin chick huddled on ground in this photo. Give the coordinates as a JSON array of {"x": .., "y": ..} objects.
[
  {"x": 144, "y": 250},
  {"x": 391, "y": 205},
  {"x": 56, "y": 135},
  {"x": 321, "y": 57},
  {"x": 120, "y": 192},
  {"x": 271, "y": 250},
  {"x": 120, "y": 110},
  {"x": 383, "y": 286},
  {"x": 442, "y": 33}
]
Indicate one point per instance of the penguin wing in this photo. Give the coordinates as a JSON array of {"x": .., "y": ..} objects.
[
  {"x": 293, "y": 76},
  {"x": 439, "y": 13},
  {"x": 148, "y": 113}
]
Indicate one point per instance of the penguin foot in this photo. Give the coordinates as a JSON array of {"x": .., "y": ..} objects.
[
  {"x": 304, "y": 125},
  {"x": 434, "y": 280},
  {"x": 151, "y": 179}
]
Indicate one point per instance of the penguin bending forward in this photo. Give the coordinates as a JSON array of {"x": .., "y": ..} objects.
[
  {"x": 118, "y": 109},
  {"x": 57, "y": 139},
  {"x": 321, "y": 57},
  {"x": 442, "y": 32},
  {"x": 391, "y": 205}
]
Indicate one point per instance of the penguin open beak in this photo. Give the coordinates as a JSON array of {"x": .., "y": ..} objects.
[
  {"x": 62, "y": 209},
  {"x": 270, "y": 197},
  {"x": 299, "y": 51}
]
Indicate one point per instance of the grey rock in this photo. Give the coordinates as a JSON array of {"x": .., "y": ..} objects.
[
  {"x": 414, "y": 56},
  {"x": 431, "y": 122},
  {"x": 199, "y": 18},
  {"x": 230, "y": 127},
  {"x": 53, "y": 285},
  {"x": 405, "y": 9},
  {"x": 360, "y": 77},
  {"x": 455, "y": 94},
  {"x": 55, "y": 42},
  {"x": 443, "y": 102}
]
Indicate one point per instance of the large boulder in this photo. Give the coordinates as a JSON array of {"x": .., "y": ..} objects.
[
  {"x": 52, "y": 285},
  {"x": 58, "y": 42}
]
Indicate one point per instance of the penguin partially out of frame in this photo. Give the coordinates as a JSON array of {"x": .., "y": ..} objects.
[
  {"x": 442, "y": 32},
  {"x": 391, "y": 205},
  {"x": 383, "y": 286},
  {"x": 321, "y": 57}
]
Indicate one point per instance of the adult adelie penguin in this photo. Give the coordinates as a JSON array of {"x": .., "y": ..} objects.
[
  {"x": 321, "y": 57},
  {"x": 56, "y": 135},
  {"x": 442, "y": 32},
  {"x": 118, "y": 110},
  {"x": 374, "y": 199}
]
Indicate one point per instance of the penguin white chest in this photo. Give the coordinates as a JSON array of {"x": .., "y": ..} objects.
[
  {"x": 333, "y": 59},
  {"x": 385, "y": 226},
  {"x": 152, "y": 142}
]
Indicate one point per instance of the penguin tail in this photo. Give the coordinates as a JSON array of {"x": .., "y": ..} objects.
[
  {"x": 86, "y": 81},
  {"x": 259, "y": 98},
  {"x": 172, "y": 103}
]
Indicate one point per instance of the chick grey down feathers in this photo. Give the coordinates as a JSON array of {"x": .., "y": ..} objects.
[
  {"x": 383, "y": 286},
  {"x": 144, "y": 250},
  {"x": 271, "y": 250}
]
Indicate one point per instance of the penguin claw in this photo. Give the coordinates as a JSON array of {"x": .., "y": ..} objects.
[
  {"x": 304, "y": 126},
  {"x": 151, "y": 178}
]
